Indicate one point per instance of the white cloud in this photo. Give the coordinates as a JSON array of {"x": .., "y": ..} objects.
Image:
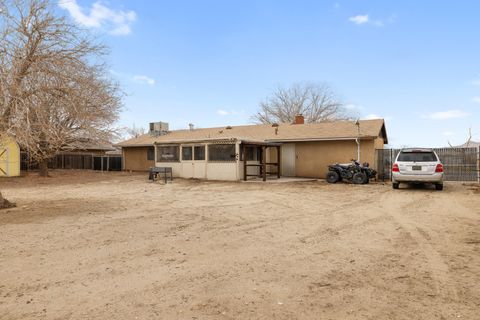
[
  {"x": 117, "y": 22},
  {"x": 448, "y": 133},
  {"x": 144, "y": 80},
  {"x": 372, "y": 116},
  {"x": 222, "y": 112},
  {"x": 446, "y": 115},
  {"x": 476, "y": 83},
  {"x": 359, "y": 19},
  {"x": 353, "y": 107},
  {"x": 375, "y": 116},
  {"x": 476, "y": 99},
  {"x": 365, "y": 19}
]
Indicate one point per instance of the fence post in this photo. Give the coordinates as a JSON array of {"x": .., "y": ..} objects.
[{"x": 478, "y": 164}]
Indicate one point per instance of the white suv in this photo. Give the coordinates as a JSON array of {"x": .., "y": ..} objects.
[{"x": 417, "y": 165}]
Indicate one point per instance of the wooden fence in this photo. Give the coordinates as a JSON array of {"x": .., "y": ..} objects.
[{"x": 460, "y": 164}]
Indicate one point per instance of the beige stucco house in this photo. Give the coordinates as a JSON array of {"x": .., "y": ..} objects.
[{"x": 300, "y": 150}]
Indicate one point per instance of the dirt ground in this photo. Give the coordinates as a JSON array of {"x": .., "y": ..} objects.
[{"x": 115, "y": 246}]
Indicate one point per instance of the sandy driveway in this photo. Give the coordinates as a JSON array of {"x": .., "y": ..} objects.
[{"x": 114, "y": 246}]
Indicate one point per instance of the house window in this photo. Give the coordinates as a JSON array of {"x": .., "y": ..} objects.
[
  {"x": 167, "y": 153},
  {"x": 150, "y": 153},
  {"x": 186, "y": 153},
  {"x": 221, "y": 152},
  {"x": 199, "y": 152}
]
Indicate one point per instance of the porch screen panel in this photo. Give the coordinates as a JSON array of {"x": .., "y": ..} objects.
[
  {"x": 199, "y": 152},
  {"x": 221, "y": 152},
  {"x": 252, "y": 153},
  {"x": 186, "y": 153},
  {"x": 168, "y": 153}
]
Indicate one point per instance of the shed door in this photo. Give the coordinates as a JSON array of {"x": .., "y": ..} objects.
[
  {"x": 4, "y": 162},
  {"x": 288, "y": 160}
]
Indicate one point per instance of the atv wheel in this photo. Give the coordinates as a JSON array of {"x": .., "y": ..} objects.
[
  {"x": 359, "y": 178},
  {"x": 332, "y": 177}
]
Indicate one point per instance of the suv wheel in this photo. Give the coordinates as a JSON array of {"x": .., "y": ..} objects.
[
  {"x": 395, "y": 185},
  {"x": 439, "y": 186}
]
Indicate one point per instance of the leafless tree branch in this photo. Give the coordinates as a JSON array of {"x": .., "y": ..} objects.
[
  {"x": 316, "y": 102},
  {"x": 54, "y": 89}
]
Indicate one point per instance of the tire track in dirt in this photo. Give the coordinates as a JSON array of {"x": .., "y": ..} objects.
[{"x": 399, "y": 207}]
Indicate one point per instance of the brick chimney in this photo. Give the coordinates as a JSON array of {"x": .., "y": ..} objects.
[{"x": 299, "y": 119}]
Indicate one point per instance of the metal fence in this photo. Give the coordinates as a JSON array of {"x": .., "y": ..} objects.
[
  {"x": 81, "y": 161},
  {"x": 460, "y": 164},
  {"x": 107, "y": 163}
]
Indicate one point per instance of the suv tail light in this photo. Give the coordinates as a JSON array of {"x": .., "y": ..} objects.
[
  {"x": 395, "y": 168},
  {"x": 439, "y": 168}
]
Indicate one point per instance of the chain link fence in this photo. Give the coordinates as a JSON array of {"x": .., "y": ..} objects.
[{"x": 79, "y": 161}]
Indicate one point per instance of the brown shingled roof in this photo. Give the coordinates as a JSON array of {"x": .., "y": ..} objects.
[{"x": 336, "y": 130}]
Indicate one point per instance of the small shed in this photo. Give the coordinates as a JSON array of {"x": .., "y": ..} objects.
[{"x": 9, "y": 157}]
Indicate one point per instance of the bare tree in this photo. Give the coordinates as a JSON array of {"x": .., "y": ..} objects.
[
  {"x": 316, "y": 102},
  {"x": 54, "y": 89},
  {"x": 134, "y": 131},
  {"x": 466, "y": 144}
]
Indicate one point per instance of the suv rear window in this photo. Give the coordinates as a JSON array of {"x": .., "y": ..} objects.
[{"x": 417, "y": 156}]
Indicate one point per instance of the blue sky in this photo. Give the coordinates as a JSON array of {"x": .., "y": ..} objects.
[{"x": 414, "y": 63}]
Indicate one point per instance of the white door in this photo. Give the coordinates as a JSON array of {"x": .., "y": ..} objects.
[
  {"x": 187, "y": 169},
  {"x": 199, "y": 170},
  {"x": 288, "y": 159}
]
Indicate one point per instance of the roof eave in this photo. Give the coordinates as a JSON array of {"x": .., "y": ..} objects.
[{"x": 320, "y": 139}]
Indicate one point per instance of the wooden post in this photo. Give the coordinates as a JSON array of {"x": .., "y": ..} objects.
[
  {"x": 244, "y": 148},
  {"x": 278, "y": 161},
  {"x": 264, "y": 163}
]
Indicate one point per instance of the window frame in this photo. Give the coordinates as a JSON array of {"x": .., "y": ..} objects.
[
  {"x": 204, "y": 152},
  {"x": 191, "y": 152},
  {"x": 177, "y": 146}
]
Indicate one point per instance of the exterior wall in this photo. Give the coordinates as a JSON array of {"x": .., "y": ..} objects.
[
  {"x": 223, "y": 171},
  {"x": 313, "y": 158},
  {"x": 177, "y": 169},
  {"x": 367, "y": 152},
  {"x": 9, "y": 158},
  {"x": 379, "y": 143},
  {"x": 135, "y": 159}
]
